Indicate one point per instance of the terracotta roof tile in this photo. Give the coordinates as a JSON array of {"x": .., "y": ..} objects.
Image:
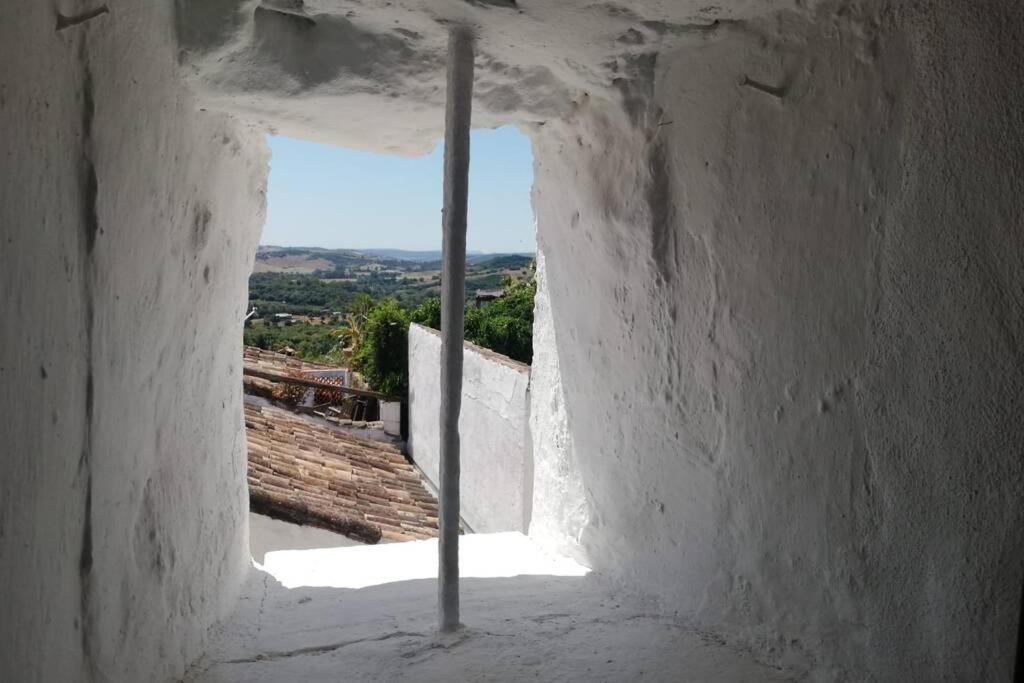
[
  {"x": 271, "y": 361},
  {"x": 346, "y": 409},
  {"x": 310, "y": 474}
]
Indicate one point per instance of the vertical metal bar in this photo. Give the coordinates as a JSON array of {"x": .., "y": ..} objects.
[{"x": 453, "y": 300}]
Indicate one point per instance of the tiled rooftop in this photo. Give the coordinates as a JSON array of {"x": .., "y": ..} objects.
[
  {"x": 271, "y": 361},
  {"x": 291, "y": 394},
  {"x": 306, "y": 473}
]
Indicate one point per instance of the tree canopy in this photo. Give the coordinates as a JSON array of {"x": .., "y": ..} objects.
[{"x": 373, "y": 336}]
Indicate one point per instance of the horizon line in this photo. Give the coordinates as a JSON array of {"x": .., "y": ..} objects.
[{"x": 359, "y": 249}]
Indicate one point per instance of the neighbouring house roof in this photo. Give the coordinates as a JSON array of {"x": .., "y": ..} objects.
[
  {"x": 271, "y": 361},
  {"x": 346, "y": 409},
  {"x": 309, "y": 474}
]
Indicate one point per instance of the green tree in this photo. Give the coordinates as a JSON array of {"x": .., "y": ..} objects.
[
  {"x": 506, "y": 324},
  {"x": 361, "y": 305},
  {"x": 382, "y": 355},
  {"x": 350, "y": 332},
  {"x": 428, "y": 313}
]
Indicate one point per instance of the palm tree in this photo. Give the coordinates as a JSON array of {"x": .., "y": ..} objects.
[{"x": 350, "y": 333}]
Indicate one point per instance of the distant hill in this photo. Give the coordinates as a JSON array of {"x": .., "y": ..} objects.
[
  {"x": 510, "y": 261},
  {"x": 342, "y": 262},
  {"x": 403, "y": 255},
  {"x": 308, "y": 260},
  {"x": 309, "y": 280},
  {"x": 472, "y": 257}
]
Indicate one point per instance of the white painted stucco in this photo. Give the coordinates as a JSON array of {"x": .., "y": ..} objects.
[
  {"x": 128, "y": 224},
  {"x": 497, "y": 473},
  {"x": 560, "y": 509},
  {"x": 789, "y": 336},
  {"x": 779, "y": 330},
  {"x": 391, "y": 417},
  {"x": 370, "y": 614}
]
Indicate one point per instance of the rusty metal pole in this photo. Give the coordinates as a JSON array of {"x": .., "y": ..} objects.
[{"x": 453, "y": 300}]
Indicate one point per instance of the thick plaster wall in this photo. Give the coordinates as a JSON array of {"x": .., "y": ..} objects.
[
  {"x": 496, "y": 461},
  {"x": 128, "y": 223},
  {"x": 779, "y": 331},
  {"x": 785, "y": 288},
  {"x": 560, "y": 508}
]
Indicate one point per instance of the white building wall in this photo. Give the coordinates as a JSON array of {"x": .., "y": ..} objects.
[
  {"x": 128, "y": 224},
  {"x": 497, "y": 472}
]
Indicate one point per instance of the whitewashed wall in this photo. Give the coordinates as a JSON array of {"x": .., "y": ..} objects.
[
  {"x": 788, "y": 328},
  {"x": 497, "y": 470},
  {"x": 128, "y": 224},
  {"x": 780, "y": 343}
]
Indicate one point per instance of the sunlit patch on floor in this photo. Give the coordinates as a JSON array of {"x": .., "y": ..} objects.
[{"x": 483, "y": 556}]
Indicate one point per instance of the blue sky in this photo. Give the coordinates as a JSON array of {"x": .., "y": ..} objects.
[{"x": 322, "y": 196}]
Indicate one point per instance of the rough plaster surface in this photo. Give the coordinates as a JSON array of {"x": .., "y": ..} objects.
[
  {"x": 529, "y": 617},
  {"x": 780, "y": 328},
  {"x": 497, "y": 472},
  {"x": 784, "y": 283},
  {"x": 798, "y": 260},
  {"x": 560, "y": 509},
  {"x": 291, "y": 63},
  {"x": 128, "y": 222}
]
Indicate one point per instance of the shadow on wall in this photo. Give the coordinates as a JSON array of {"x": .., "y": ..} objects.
[{"x": 545, "y": 628}]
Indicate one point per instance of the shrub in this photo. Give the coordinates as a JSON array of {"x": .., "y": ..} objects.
[
  {"x": 506, "y": 324},
  {"x": 428, "y": 314},
  {"x": 382, "y": 354}
]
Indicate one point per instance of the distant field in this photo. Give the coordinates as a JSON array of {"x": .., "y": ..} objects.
[
  {"x": 305, "y": 281},
  {"x": 298, "y": 263},
  {"x": 423, "y": 275},
  {"x": 428, "y": 275}
]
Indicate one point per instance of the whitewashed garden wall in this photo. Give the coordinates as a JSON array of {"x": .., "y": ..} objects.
[{"x": 497, "y": 469}]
